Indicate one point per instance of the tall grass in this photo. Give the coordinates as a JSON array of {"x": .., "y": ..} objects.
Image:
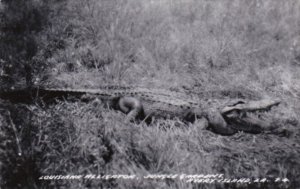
[{"x": 207, "y": 43}]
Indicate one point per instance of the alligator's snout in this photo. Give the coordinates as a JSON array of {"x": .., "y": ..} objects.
[{"x": 251, "y": 106}]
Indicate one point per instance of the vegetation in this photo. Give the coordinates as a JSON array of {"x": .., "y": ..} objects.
[{"x": 249, "y": 48}]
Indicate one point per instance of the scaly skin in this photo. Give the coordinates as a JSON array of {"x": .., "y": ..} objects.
[{"x": 144, "y": 103}]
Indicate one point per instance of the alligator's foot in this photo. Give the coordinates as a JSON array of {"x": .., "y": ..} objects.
[
  {"x": 216, "y": 122},
  {"x": 130, "y": 106},
  {"x": 201, "y": 124}
]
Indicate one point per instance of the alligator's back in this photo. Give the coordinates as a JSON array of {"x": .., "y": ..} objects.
[
  {"x": 155, "y": 102},
  {"x": 152, "y": 99}
]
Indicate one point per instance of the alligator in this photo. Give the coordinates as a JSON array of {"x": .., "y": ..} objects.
[{"x": 145, "y": 103}]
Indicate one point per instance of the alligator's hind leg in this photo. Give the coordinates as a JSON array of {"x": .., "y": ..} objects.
[{"x": 131, "y": 106}]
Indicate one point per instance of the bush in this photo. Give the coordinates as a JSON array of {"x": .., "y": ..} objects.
[{"x": 22, "y": 20}]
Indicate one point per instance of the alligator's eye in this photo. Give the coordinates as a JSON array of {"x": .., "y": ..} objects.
[{"x": 238, "y": 102}]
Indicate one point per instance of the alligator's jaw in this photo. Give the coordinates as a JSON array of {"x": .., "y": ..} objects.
[{"x": 239, "y": 115}]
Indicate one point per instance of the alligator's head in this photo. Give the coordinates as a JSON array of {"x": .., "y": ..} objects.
[{"x": 239, "y": 115}]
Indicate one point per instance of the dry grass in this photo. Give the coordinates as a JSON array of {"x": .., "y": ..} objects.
[{"x": 197, "y": 45}]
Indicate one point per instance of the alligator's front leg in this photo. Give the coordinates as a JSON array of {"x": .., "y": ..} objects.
[
  {"x": 131, "y": 106},
  {"x": 215, "y": 121}
]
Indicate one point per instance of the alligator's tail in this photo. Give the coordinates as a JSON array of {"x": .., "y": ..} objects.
[{"x": 28, "y": 95}]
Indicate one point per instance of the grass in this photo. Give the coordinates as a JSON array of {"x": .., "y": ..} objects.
[{"x": 230, "y": 47}]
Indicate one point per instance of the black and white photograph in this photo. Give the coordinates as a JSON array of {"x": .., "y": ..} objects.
[{"x": 154, "y": 94}]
